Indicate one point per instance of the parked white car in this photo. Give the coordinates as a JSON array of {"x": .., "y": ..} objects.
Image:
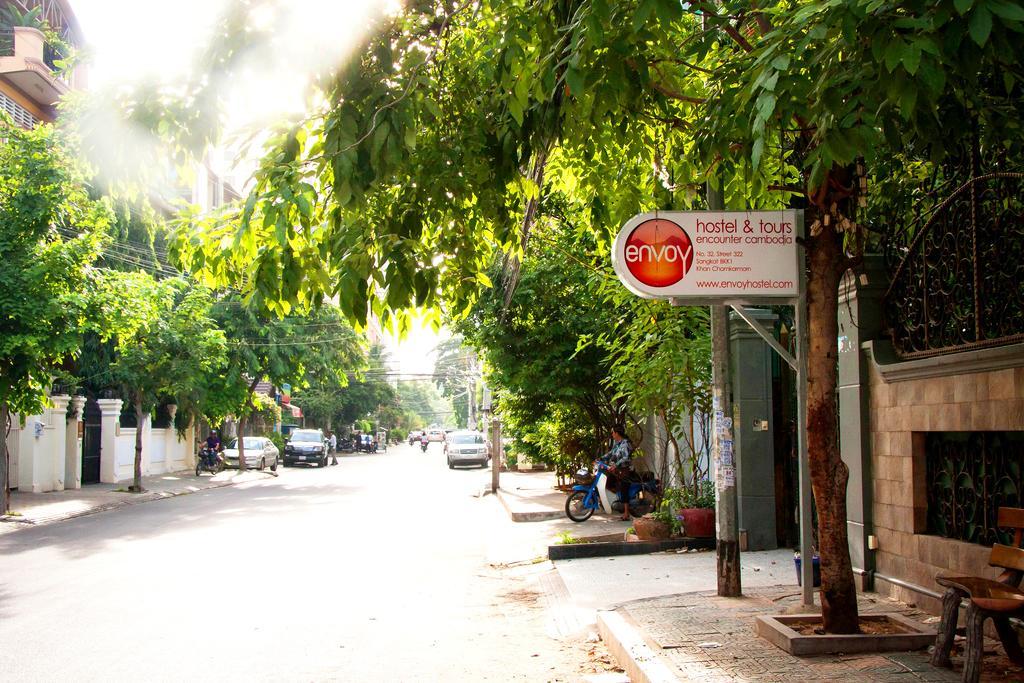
[
  {"x": 259, "y": 452},
  {"x": 465, "y": 447}
]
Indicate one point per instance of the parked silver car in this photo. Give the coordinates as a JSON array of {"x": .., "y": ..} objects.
[
  {"x": 465, "y": 447},
  {"x": 259, "y": 452}
]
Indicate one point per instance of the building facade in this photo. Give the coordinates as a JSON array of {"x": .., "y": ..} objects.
[
  {"x": 31, "y": 78},
  {"x": 931, "y": 362}
]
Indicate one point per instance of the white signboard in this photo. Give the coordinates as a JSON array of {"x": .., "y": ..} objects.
[{"x": 708, "y": 256}]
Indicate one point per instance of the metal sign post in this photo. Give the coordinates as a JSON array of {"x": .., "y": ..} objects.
[{"x": 735, "y": 259}]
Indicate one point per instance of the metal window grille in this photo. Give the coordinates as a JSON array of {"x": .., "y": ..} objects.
[
  {"x": 20, "y": 115},
  {"x": 970, "y": 475}
]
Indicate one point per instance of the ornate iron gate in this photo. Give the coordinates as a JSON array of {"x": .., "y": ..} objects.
[
  {"x": 92, "y": 420},
  {"x": 959, "y": 279}
]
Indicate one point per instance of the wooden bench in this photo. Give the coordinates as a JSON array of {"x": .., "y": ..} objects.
[{"x": 999, "y": 598}]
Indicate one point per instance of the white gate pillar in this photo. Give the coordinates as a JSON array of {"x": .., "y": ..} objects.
[
  {"x": 73, "y": 445},
  {"x": 56, "y": 441},
  {"x": 110, "y": 409}
]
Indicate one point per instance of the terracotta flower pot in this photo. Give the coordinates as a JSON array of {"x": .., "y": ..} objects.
[
  {"x": 650, "y": 529},
  {"x": 698, "y": 522}
]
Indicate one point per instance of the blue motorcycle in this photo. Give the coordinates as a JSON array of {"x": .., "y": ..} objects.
[{"x": 591, "y": 493}]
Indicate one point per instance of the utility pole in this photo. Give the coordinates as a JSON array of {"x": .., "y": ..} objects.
[
  {"x": 493, "y": 427},
  {"x": 471, "y": 395},
  {"x": 496, "y": 453},
  {"x": 728, "y": 545}
]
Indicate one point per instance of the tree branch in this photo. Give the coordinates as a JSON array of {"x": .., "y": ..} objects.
[{"x": 730, "y": 30}]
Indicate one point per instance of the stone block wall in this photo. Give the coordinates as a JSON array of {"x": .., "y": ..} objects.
[{"x": 902, "y": 412}]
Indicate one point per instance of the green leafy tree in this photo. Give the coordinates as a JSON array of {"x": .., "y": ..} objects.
[
  {"x": 176, "y": 346},
  {"x": 537, "y": 354},
  {"x": 50, "y": 231},
  {"x": 661, "y": 366},
  {"x": 474, "y": 115},
  {"x": 280, "y": 350},
  {"x": 423, "y": 404}
]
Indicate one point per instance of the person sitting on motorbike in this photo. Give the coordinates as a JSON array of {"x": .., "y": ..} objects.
[
  {"x": 213, "y": 446},
  {"x": 619, "y": 461}
]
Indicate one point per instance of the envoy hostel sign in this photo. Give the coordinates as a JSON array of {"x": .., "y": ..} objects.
[{"x": 710, "y": 256}]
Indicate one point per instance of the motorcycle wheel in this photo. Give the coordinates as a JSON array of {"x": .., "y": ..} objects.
[
  {"x": 574, "y": 507},
  {"x": 199, "y": 467},
  {"x": 219, "y": 467}
]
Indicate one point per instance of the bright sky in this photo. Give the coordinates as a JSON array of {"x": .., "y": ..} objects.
[
  {"x": 415, "y": 354},
  {"x": 159, "y": 40},
  {"x": 146, "y": 39}
]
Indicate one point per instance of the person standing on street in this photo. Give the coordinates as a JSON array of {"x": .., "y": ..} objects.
[{"x": 334, "y": 448}]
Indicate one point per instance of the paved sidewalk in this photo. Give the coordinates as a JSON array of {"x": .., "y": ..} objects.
[
  {"x": 699, "y": 636},
  {"x": 33, "y": 509},
  {"x": 660, "y": 617},
  {"x": 531, "y": 496}
]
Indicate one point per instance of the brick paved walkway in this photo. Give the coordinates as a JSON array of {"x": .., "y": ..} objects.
[{"x": 707, "y": 638}]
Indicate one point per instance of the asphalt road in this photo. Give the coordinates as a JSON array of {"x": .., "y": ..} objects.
[{"x": 379, "y": 569}]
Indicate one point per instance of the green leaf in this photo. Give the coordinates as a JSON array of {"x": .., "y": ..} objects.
[
  {"x": 911, "y": 58},
  {"x": 643, "y": 13},
  {"x": 756, "y": 151},
  {"x": 980, "y": 25},
  {"x": 894, "y": 54},
  {"x": 575, "y": 80},
  {"x": 1006, "y": 10},
  {"x": 516, "y": 110},
  {"x": 962, "y": 6}
]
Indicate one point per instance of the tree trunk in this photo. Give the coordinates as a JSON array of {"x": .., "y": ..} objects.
[
  {"x": 137, "y": 485},
  {"x": 5, "y": 484},
  {"x": 241, "y": 444},
  {"x": 829, "y": 474}
]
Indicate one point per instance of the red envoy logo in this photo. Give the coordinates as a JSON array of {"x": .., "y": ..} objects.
[{"x": 658, "y": 253}]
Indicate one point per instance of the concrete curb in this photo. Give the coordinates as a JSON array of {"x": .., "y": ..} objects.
[
  {"x": 641, "y": 663},
  {"x": 534, "y": 516},
  {"x": 578, "y": 551},
  {"x": 14, "y": 523}
]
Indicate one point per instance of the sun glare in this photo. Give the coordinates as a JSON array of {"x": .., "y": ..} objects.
[{"x": 162, "y": 43}]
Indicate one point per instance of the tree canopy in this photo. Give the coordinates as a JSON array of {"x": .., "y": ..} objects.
[
  {"x": 50, "y": 234},
  {"x": 440, "y": 143}
]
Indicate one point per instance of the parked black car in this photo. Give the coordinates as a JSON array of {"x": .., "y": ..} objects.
[{"x": 306, "y": 446}]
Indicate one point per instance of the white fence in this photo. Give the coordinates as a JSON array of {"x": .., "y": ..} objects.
[{"x": 46, "y": 451}]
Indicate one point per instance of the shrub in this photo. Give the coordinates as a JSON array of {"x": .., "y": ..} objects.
[
  {"x": 278, "y": 440},
  {"x": 698, "y": 495}
]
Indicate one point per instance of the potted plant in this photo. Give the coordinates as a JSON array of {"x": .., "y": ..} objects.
[
  {"x": 663, "y": 522},
  {"x": 696, "y": 509}
]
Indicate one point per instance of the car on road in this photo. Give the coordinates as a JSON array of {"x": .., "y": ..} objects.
[
  {"x": 259, "y": 452},
  {"x": 306, "y": 446},
  {"x": 466, "y": 447},
  {"x": 435, "y": 435},
  {"x": 414, "y": 436}
]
